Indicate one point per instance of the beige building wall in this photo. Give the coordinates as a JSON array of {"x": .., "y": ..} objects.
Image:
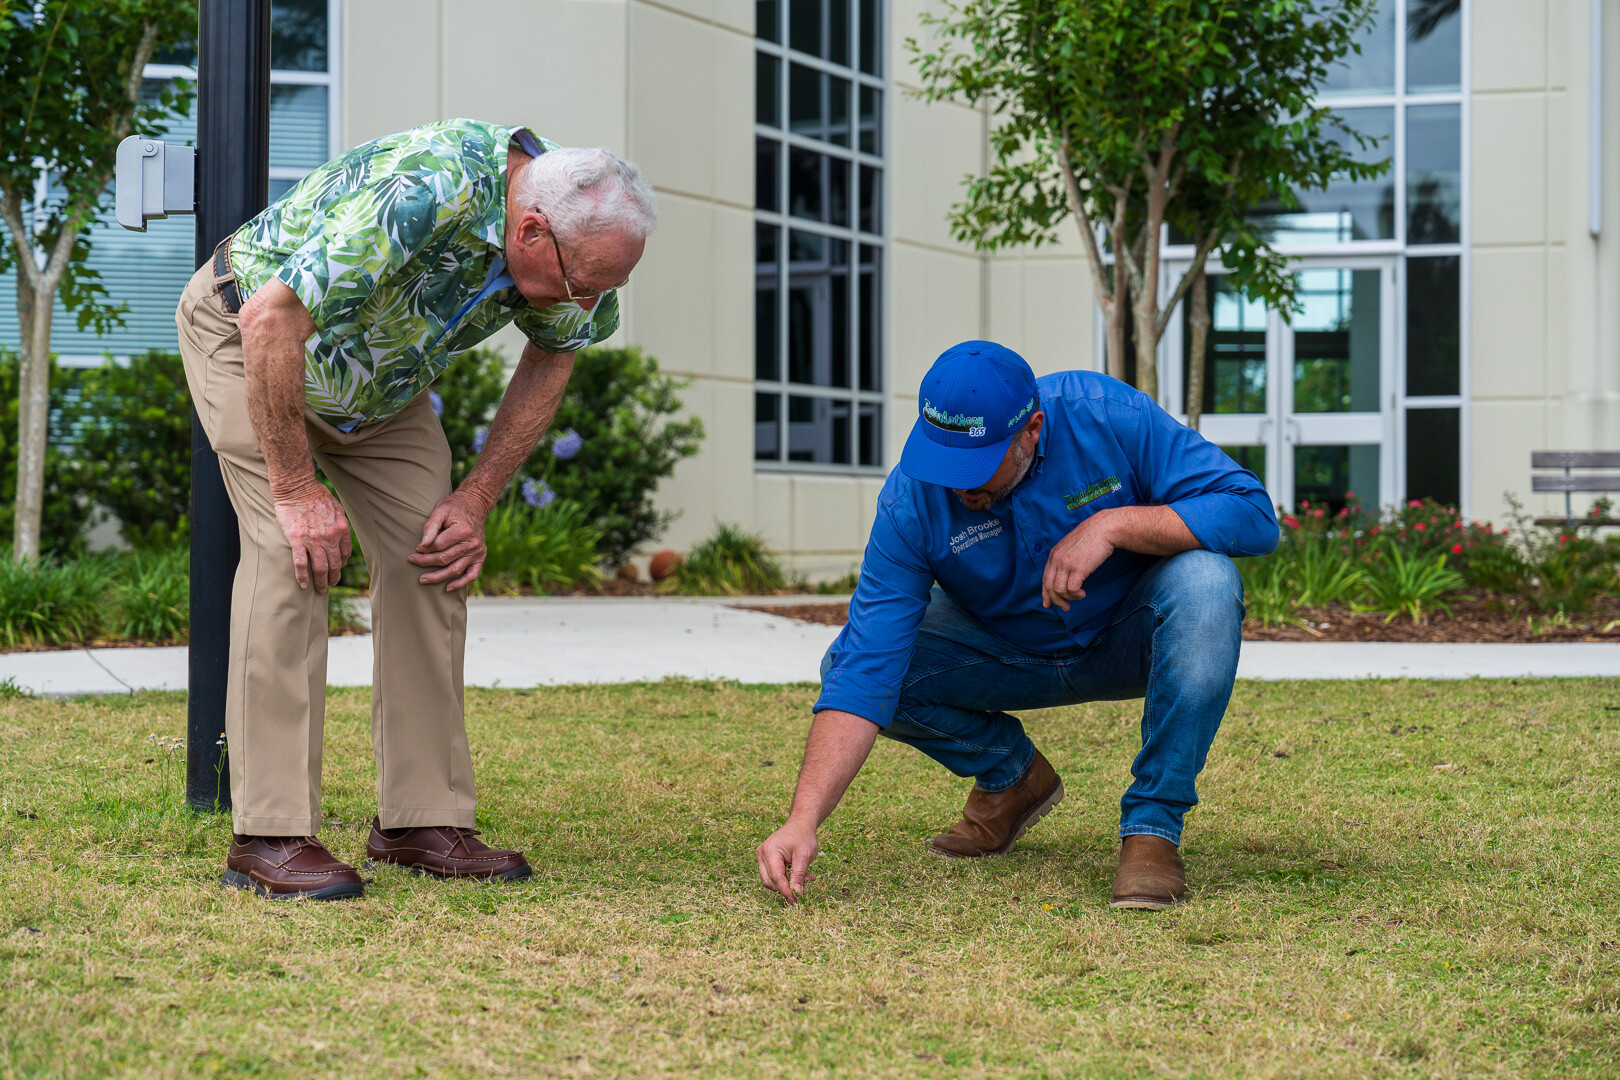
[
  {"x": 1543, "y": 327},
  {"x": 670, "y": 85}
]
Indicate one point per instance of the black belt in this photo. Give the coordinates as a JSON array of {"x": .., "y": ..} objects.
[{"x": 225, "y": 277}]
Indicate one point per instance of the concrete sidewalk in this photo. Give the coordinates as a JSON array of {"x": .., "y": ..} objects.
[{"x": 551, "y": 641}]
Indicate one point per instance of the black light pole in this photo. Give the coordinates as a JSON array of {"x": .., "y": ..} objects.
[{"x": 233, "y": 184}]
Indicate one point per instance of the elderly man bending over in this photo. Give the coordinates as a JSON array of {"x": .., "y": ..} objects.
[
  {"x": 310, "y": 340},
  {"x": 1080, "y": 541}
]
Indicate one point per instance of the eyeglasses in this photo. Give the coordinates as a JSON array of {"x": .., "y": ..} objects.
[{"x": 568, "y": 286}]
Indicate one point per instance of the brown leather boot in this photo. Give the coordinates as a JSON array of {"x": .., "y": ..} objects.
[
  {"x": 992, "y": 821},
  {"x": 289, "y": 868},
  {"x": 1150, "y": 874},
  {"x": 445, "y": 851}
]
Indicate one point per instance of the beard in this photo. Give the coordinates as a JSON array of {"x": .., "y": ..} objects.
[{"x": 1023, "y": 457}]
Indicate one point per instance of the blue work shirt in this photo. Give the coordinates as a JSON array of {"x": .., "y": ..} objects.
[{"x": 1103, "y": 445}]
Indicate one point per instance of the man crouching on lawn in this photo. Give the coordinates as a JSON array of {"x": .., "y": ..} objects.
[{"x": 1081, "y": 541}]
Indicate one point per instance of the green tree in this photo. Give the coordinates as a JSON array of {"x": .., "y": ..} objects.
[
  {"x": 1132, "y": 115},
  {"x": 70, "y": 91}
]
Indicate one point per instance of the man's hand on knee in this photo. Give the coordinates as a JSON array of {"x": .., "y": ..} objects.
[
  {"x": 314, "y": 523},
  {"x": 453, "y": 542}
]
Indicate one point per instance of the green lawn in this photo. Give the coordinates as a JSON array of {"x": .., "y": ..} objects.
[{"x": 1389, "y": 879}]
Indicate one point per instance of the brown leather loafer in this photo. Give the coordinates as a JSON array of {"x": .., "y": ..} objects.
[
  {"x": 445, "y": 852},
  {"x": 1150, "y": 874},
  {"x": 992, "y": 821},
  {"x": 289, "y": 868}
]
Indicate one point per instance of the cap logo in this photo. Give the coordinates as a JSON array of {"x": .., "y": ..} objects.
[
  {"x": 972, "y": 425},
  {"x": 1028, "y": 408}
]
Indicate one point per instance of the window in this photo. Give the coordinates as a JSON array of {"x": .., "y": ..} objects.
[
  {"x": 147, "y": 271},
  {"x": 818, "y": 237}
]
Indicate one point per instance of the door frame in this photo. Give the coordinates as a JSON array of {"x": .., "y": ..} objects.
[{"x": 1280, "y": 429}]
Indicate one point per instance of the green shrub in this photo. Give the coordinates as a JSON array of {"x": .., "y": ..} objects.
[
  {"x": 729, "y": 563},
  {"x": 625, "y": 413},
  {"x": 131, "y": 431},
  {"x": 43, "y": 603},
  {"x": 619, "y": 411},
  {"x": 1268, "y": 595},
  {"x": 539, "y": 547},
  {"x": 68, "y": 506},
  {"x": 1410, "y": 584},
  {"x": 151, "y": 596}
]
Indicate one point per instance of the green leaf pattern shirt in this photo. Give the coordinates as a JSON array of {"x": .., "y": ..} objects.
[{"x": 385, "y": 244}]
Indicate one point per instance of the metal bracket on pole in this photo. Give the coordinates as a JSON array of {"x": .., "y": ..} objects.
[{"x": 153, "y": 179}]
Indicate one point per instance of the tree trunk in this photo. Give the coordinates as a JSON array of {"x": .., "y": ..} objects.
[
  {"x": 1115, "y": 340},
  {"x": 1198, "y": 323},
  {"x": 33, "y": 419}
]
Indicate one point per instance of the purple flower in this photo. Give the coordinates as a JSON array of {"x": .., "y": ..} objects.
[
  {"x": 478, "y": 440},
  {"x": 566, "y": 445},
  {"x": 538, "y": 493},
  {"x": 438, "y": 402}
]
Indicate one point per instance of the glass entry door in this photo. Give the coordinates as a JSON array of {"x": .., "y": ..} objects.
[{"x": 1306, "y": 404}]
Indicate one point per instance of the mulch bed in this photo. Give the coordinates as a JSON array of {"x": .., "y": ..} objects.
[{"x": 1469, "y": 621}]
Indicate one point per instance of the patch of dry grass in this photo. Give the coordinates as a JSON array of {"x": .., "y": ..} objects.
[{"x": 1391, "y": 879}]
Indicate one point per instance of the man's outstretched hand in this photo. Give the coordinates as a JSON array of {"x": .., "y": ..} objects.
[
  {"x": 315, "y": 526},
  {"x": 452, "y": 542},
  {"x": 785, "y": 858}
]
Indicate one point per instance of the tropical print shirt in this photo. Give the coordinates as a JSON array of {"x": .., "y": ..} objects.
[{"x": 386, "y": 245}]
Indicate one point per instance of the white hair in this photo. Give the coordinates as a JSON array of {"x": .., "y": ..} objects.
[{"x": 584, "y": 190}]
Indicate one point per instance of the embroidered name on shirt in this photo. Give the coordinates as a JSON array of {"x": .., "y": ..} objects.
[
  {"x": 974, "y": 533},
  {"x": 1092, "y": 492}
]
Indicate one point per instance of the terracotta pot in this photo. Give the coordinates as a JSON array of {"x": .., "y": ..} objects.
[
  {"x": 627, "y": 572},
  {"x": 663, "y": 564}
]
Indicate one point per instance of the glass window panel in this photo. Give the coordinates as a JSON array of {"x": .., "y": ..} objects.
[
  {"x": 1433, "y": 174},
  {"x": 819, "y": 430},
  {"x": 806, "y": 112},
  {"x": 1234, "y": 355},
  {"x": 767, "y": 427},
  {"x": 870, "y": 435},
  {"x": 1434, "y": 455},
  {"x": 768, "y": 20},
  {"x": 818, "y": 310},
  {"x": 870, "y": 335},
  {"x": 818, "y": 186},
  {"x": 298, "y": 35},
  {"x": 804, "y": 26},
  {"x": 838, "y": 93},
  {"x": 767, "y": 293},
  {"x": 871, "y": 199},
  {"x": 767, "y": 90},
  {"x": 1372, "y": 69},
  {"x": 767, "y": 174},
  {"x": 298, "y": 127},
  {"x": 1346, "y": 210},
  {"x": 278, "y": 188},
  {"x": 1433, "y": 46},
  {"x": 1433, "y": 326},
  {"x": 870, "y": 119},
  {"x": 1252, "y": 458},
  {"x": 871, "y": 36},
  {"x": 1336, "y": 341},
  {"x": 838, "y": 31},
  {"x": 1327, "y": 475}
]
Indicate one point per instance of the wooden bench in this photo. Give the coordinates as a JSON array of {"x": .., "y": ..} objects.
[{"x": 1570, "y": 482}]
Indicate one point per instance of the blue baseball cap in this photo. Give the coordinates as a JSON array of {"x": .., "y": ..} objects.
[{"x": 975, "y": 398}]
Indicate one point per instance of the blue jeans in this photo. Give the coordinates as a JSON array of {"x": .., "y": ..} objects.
[{"x": 1173, "y": 641}]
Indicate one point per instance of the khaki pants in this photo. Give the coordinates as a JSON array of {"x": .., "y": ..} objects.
[{"x": 389, "y": 476}]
